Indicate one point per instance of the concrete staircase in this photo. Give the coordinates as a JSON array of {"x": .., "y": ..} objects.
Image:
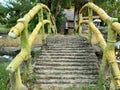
[{"x": 64, "y": 62}]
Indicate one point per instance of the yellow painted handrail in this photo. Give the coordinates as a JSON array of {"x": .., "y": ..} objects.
[
  {"x": 21, "y": 29},
  {"x": 108, "y": 48}
]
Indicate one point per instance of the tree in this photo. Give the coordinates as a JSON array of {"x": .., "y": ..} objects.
[
  {"x": 57, "y": 7},
  {"x": 3, "y": 12},
  {"x": 17, "y": 9}
]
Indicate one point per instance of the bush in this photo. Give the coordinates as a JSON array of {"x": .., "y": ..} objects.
[{"x": 4, "y": 78}]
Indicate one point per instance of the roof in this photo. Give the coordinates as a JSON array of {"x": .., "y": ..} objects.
[{"x": 69, "y": 14}]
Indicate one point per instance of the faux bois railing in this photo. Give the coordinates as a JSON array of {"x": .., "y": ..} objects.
[
  {"x": 109, "y": 59},
  {"x": 21, "y": 29}
]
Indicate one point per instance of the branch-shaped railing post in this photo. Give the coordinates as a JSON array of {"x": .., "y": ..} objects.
[
  {"x": 49, "y": 26},
  {"x": 15, "y": 81},
  {"x": 109, "y": 59},
  {"x": 110, "y": 53},
  {"x": 17, "y": 85},
  {"x": 21, "y": 29},
  {"x": 41, "y": 18},
  {"x": 90, "y": 13},
  {"x": 25, "y": 46},
  {"x": 79, "y": 26},
  {"x": 104, "y": 65}
]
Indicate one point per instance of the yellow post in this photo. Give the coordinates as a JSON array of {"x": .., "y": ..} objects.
[
  {"x": 54, "y": 28},
  {"x": 90, "y": 12},
  {"x": 49, "y": 26},
  {"x": 98, "y": 35},
  {"x": 79, "y": 24},
  {"x": 19, "y": 27},
  {"x": 16, "y": 82},
  {"x": 110, "y": 53},
  {"x": 25, "y": 48},
  {"x": 41, "y": 18}
]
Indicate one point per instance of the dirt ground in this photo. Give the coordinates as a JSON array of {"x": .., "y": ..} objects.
[{"x": 9, "y": 42}]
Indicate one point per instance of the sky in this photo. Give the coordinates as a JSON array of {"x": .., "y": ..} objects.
[{"x": 2, "y": 0}]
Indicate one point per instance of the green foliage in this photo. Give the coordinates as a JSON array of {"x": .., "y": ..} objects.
[
  {"x": 4, "y": 80},
  {"x": 17, "y": 9},
  {"x": 3, "y": 12},
  {"x": 112, "y": 7},
  {"x": 60, "y": 19},
  {"x": 57, "y": 7}
]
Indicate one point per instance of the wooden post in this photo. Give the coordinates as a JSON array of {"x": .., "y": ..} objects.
[{"x": 90, "y": 12}]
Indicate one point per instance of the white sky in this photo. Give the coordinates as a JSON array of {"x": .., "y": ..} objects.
[{"x": 2, "y": 0}]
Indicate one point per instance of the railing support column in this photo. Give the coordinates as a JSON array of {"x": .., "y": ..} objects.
[
  {"x": 41, "y": 18},
  {"x": 110, "y": 54},
  {"x": 90, "y": 12},
  {"x": 26, "y": 47},
  {"x": 16, "y": 82},
  {"x": 79, "y": 24},
  {"x": 49, "y": 26},
  {"x": 104, "y": 67}
]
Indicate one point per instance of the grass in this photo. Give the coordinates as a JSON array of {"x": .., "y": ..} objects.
[
  {"x": 4, "y": 78},
  {"x": 3, "y": 28}
]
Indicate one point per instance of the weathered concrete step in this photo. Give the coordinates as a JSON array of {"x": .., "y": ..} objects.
[
  {"x": 65, "y": 72},
  {"x": 66, "y": 68},
  {"x": 67, "y": 51},
  {"x": 66, "y": 76},
  {"x": 54, "y": 48},
  {"x": 67, "y": 63},
  {"x": 65, "y": 39},
  {"x": 67, "y": 44},
  {"x": 67, "y": 60},
  {"x": 89, "y": 66},
  {"x": 70, "y": 57},
  {"x": 67, "y": 54},
  {"x": 86, "y": 47},
  {"x": 69, "y": 86},
  {"x": 59, "y": 81}
]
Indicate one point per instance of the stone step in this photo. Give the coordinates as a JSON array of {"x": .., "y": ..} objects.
[
  {"x": 67, "y": 60},
  {"x": 85, "y": 46},
  {"x": 70, "y": 57},
  {"x": 65, "y": 72},
  {"x": 66, "y": 64},
  {"x": 67, "y": 81},
  {"x": 67, "y": 48},
  {"x": 67, "y": 86},
  {"x": 67, "y": 44},
  {"x": 66, "y": 76},
  {"x": 67, "y": 54},
  {"x": 66, "y": 68},
  {"x": 67, "y": 51}
]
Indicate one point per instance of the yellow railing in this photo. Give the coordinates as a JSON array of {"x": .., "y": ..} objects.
[
  {"x": 109, "y": 59},
  {"x": 21, "y": 29}
]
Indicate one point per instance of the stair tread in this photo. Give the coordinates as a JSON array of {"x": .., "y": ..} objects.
[{"x": 64, "y": 61}]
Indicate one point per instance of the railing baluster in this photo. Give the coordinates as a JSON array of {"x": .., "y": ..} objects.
[
  {"x": 41, "y": 18},
  {"x": 21, "y": 29},
  {"x": 110, "y": 53},
  {"x": 49, "y": 26},
  {"x": 90, "y": 13},
  {"x": 79, "y": 24}
]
